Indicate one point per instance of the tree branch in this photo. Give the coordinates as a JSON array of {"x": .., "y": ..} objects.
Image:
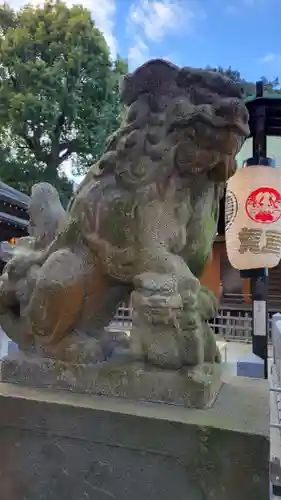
[
  {"x": 60, "y": 123},
  {"x": 34, "y": 145},
  {"x": 70, "y": 146}
]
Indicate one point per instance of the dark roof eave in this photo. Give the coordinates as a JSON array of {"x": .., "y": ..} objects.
[
  {"x": 13, "y": 196},
  {"x": 12, "y": 220}
]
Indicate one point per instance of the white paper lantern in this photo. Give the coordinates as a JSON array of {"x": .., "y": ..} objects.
[{"x": 253, "y": 217}]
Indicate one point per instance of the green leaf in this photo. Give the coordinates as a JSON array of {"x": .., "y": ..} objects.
[{"x": 58, "y": 86}]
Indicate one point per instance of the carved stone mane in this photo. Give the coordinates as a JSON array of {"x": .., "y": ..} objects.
[{"x": 162, "y": 97}]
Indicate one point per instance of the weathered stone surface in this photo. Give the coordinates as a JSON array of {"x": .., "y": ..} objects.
[
  {"x": 57, "y": 445},
  {"x": 46, "y": 214},
  {"x": 194, "y": 387},
  {"x": 143, "y": 219}
]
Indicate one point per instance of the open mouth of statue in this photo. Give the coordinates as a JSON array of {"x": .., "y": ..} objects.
[
  {"x": 203, "y": 147},
  {"x": 190, "y": 159},
  {"x": 204, "y": 141}
]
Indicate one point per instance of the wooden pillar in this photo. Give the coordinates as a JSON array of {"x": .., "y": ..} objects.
[
  {"x": 247, "y": 290},
  {"x": 211, "y": 277}
]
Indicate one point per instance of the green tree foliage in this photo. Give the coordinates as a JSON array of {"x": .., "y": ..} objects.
[
  {"x": 19, "y": 169},
  {"x": 58, "y": 91},
  {"x": 249, "y": 87}
]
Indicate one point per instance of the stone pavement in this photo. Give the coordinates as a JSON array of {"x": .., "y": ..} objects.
[{"x": 237, "y": 350}]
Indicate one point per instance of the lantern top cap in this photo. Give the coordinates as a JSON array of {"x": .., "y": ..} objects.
[
  {"x": 266, "y": 95},
  {"x": 262, "y": 161}
]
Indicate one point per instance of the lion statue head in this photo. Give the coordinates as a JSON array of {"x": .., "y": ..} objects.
[{"x": 188, "y": 119}]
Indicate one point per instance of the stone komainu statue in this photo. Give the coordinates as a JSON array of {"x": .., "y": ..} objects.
[{"x": 143, "y": 221}]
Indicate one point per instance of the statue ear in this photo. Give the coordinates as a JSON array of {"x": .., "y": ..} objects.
[{"x": 148, "y": 78}]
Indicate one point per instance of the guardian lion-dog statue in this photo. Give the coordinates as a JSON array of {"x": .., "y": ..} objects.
[{"x": 142, "y": 222}]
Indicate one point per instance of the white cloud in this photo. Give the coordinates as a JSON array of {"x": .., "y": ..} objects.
[
  {"x": 152, "y": 20},
  {"x": 103, "y": 13},
  {"x": 157, "y": 18},
  {"x": 138, "y": 53},
  {"x": 271, "y": 58}
]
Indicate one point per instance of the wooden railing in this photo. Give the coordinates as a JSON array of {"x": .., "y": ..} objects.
[
  {"x": 234, "y": 299},
  {"x": 232, "y": 324}
]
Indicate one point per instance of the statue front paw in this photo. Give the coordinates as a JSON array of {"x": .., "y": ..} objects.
[{"x": 155, "y": 333}]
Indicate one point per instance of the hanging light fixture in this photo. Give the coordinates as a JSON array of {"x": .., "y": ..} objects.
[
  {"x": 12, "y": 241},
  {"x": 253, "y": 216}
]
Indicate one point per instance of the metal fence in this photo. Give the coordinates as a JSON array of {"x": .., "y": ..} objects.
[{"x": 232, "y": 324}]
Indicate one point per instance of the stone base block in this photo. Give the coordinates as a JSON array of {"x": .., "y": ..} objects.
[
  {"x": 195, "y": 388},
  {"x": 56, "y": 445}
]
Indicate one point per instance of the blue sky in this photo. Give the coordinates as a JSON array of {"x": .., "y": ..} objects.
[{"x": 243, "y": 34}]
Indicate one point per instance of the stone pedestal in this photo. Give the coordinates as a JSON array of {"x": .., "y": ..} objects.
[
  {"x": 57, "y": 445},
  {"x": 120, "y": 377}
]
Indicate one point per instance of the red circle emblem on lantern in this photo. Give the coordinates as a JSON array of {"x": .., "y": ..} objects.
[{"x": 264, "y": 205}]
